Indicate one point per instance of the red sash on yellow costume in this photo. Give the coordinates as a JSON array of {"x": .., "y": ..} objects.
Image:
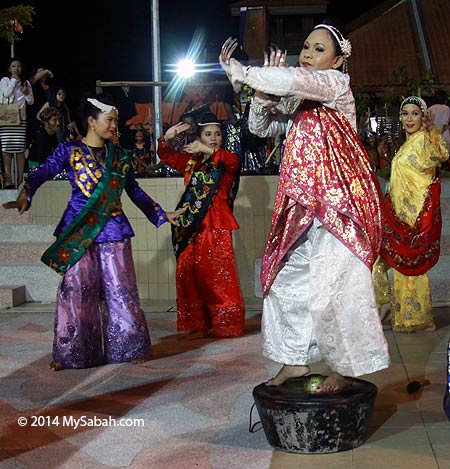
[
  {"x": 325, "y": 173},
  {"x": 413, "y": 250}
]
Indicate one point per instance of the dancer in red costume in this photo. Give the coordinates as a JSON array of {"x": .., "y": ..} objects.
[
  {"x": 319, "y": 301},
  {"x": 208, "y": 290}
]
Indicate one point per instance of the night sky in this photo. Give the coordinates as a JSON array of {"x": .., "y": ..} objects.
[{"x": 105, "y": 40}]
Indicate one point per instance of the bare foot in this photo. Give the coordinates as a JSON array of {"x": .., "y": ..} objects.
[
  {"x": 431, "y": 328},
  {"x": 193, "y": 335},
  {"x": 286, "y": 372},
  {"x": 55, "y": 366},
  {"x": 334, "y": 383}
]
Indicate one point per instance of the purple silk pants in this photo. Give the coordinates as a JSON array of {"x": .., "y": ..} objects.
[{"x": 98, "y": 318}]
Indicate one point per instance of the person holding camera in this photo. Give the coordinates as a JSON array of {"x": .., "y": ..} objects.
[{"x": 15, "y": 89}]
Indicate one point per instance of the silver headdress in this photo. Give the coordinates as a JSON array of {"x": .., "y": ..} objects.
[
  {"x": 106, "y": 108},
  {"x": 419, "y": 102}
]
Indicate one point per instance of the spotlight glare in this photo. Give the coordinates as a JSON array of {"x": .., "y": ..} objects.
[{"x": 186, "y": 68}]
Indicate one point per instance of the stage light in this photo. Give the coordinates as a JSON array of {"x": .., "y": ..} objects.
[{"x": 186, "y": 68}]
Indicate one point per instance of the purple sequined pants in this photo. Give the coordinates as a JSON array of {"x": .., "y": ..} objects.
[{"x": 99, "y": 319}]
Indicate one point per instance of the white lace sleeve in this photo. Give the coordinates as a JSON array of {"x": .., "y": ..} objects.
[
  {"x": 330, "y": 87},
  {"x": 267, "y": 119}
]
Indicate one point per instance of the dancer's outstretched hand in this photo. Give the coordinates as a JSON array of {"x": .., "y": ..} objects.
[
  {"x": 275, "y": 58},
  {"x": 229, "y": 46},
  {"x": 21, "y": 203},
  {"x": 173, "y": 216}
]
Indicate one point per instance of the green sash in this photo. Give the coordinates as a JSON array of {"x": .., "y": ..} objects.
[
  {"x": 198, "y": 197},
  {"x": 73, "y": 242}
]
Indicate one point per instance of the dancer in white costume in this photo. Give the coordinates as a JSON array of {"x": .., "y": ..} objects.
[{"x": 319, "y": 301}]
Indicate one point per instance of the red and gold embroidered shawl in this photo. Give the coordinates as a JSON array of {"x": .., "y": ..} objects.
[{"x": 325, "y": 173}]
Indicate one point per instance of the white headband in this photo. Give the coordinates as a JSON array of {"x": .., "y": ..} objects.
[
  {"x": 209, "y": 123},
  {"x": 106, "y": 108},
  {"x": 344, "y": 44}
]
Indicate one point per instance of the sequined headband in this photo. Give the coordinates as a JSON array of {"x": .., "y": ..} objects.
[
  {"x": 106, "y": 108},
  {"x": 344, "y": 44},
  {"x": 419, "y": 102}
]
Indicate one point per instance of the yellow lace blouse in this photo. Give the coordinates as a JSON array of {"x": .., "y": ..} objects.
[{"x": 413, "y": 170}]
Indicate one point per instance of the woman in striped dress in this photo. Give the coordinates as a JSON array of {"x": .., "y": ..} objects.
[{"x": 15, "y": 89}]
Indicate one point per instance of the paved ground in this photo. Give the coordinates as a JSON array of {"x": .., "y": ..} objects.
[{"x": 194, "y": 399}]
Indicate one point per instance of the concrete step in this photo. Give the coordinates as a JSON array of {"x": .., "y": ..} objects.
[
  {"x": 445, "y": 244},
  {"x": 445, "y": 208},
  {"x": 12, "y": 295},
  {"x": 12, "y": 216},
  {"x": 26, "y": 233},
  {"x": 8, "y": 194},
  {"x": 30, "y": 251},
  {"x": 40, "y": 281},
  {"x": 440, "y": 291},
  {"x": 445, "y": 188},
  {"x": 440, "y": 280}
]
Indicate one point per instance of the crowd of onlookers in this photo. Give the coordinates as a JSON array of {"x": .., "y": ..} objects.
[{"x": 45, "y": 121}]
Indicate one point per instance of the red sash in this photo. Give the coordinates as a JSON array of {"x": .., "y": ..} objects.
[{"x": 413, "y": 250}]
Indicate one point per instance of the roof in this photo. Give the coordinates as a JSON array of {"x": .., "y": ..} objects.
[
  {"x": 282, "y": 7},
  {"x": 385, "y": 42}
]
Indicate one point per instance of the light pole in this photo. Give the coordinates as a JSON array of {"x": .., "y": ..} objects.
[
  {"x": 156, "y": 64},
  {"x": 13, "y": 30}
]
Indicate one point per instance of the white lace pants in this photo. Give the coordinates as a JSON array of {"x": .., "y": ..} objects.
[{"x": 322, "y": 306}]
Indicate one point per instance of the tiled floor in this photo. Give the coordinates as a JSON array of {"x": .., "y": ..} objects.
[{"x": 407, "y": 430}]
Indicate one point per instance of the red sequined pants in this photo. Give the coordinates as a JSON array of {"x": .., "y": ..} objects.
[{"x": 208, "y": 290}]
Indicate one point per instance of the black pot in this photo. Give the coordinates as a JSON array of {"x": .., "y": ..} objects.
[{"x": 298, "y": 420}]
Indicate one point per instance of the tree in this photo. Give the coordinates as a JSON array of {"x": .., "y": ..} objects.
[{"x": 12, "y": 20}]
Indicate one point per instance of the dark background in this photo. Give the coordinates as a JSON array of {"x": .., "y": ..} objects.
[{"x": 111, "y": 40}]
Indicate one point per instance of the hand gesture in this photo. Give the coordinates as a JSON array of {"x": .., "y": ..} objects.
[
  {"x": 229, "y": 46},
  {"x": 25, "y": 88},
  {"x": 275, "y": 57},
  {"x": 175, "y": 130},
  {"x": 198, "y": 147},
  {"x": 21, "y": 203},
  {"x": 173, "y": 216}
]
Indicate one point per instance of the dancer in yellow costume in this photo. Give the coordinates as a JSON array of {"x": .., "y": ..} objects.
[{"x": 412, "y": 228}]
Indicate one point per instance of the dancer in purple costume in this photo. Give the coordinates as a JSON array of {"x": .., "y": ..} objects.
[{"x": 99, "y": 319}]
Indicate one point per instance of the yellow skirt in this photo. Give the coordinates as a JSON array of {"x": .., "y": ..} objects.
[
  {"x": 411, "y": 303},
  {"x": 410, "y": 298}
]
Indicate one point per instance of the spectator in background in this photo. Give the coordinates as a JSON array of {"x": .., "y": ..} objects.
[
  {"x": 13, "y": 138},
  {"x": 439, "y": 112},
  {"x": 45, "y": 140},
  {"x": 41, "y": 82},
  {"x": 67, "y": 127}
]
